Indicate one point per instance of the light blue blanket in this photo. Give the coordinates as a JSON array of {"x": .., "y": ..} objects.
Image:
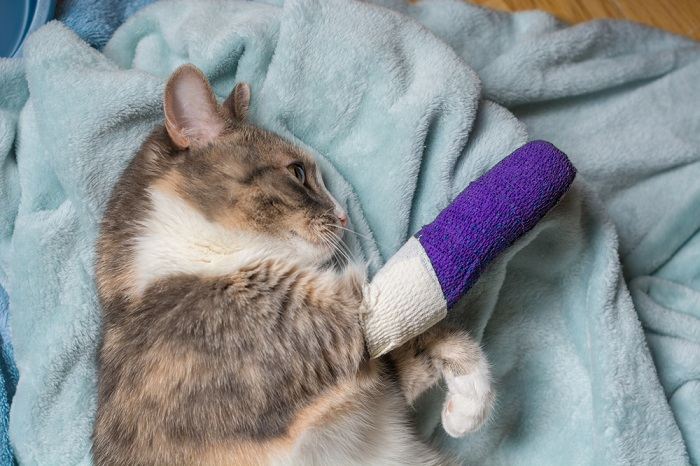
[
  {"x": 8, "y": 382},
  {"x": 95, "y": 20},
  {"x": 402, "y": 119}
]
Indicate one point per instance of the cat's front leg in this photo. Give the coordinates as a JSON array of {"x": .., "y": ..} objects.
[
  {"x": 458, "y": 359},
  {"x": 469, "y": 399}
]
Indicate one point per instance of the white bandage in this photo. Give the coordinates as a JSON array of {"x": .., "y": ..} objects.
[{"x": 404, "y": 300}]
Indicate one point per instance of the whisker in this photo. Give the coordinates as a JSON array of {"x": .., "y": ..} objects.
[
  {"x": 336, "y": 244},
  {"x": 367, "y": 237},
  {"x": 328, "y": 240},
  {"x": 342, "y": 247},
  {"x": 353, "y": 232}
]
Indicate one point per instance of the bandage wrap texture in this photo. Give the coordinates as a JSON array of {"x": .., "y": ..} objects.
[{"x": 492, "y": 213}]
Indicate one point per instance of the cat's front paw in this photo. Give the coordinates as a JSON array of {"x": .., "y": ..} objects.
[{"x": 469, "y": 401}]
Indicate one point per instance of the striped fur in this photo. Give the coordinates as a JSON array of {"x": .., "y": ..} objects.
[{"x": 229, "y": 334}]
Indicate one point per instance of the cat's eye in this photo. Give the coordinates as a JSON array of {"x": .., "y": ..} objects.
[{"x": 299, "y": 172}]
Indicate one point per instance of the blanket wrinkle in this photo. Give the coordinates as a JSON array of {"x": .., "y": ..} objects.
[{"x": 591, "y": 321}]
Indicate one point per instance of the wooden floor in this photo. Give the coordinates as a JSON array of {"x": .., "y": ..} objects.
[{"x": 679, "y": 16}]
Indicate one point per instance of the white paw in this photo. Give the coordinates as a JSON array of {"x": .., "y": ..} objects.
[{"x": 469, "y": 401}]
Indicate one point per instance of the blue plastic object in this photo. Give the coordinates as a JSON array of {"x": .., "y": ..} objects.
[{"x": 18, "y": 18}]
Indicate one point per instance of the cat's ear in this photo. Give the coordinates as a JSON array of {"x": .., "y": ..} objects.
[
  {"x": 238, "y": 101},
  {"x": 192, "y": 115}
]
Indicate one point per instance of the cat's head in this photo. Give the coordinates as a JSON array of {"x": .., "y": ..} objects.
[{"x": 241, "y": 178}]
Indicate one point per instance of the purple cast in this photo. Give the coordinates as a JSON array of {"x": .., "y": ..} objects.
[{"x": 492, "y": 213}]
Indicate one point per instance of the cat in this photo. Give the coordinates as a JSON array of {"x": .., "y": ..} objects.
[{"x": 230, "y": 335}]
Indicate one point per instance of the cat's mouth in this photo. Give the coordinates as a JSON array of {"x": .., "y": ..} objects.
[{"x": 325, "y": 240}]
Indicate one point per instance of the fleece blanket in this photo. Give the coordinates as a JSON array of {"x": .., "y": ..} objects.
[
  {"x": 95, "y": 20},
  {"x": 8, "y": 381},
  {"x": 592, "y": 322}
]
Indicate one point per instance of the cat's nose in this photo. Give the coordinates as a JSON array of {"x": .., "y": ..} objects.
[{"x": 343, "y": 219}]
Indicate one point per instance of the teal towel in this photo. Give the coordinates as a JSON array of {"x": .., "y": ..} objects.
[
  {"x": 8, "y": 382},
  {"x": 95, "y": 20},
  {"x": 403, "y": 116}
]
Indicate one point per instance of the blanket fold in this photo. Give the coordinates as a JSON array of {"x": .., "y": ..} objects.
[{"x": 591, "y": 321}]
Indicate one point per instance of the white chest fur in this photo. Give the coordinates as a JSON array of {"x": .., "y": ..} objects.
[{"x": 178, "y": 239}]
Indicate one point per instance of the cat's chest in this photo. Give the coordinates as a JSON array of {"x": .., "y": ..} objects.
[{"x": 176, "y": 239}]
